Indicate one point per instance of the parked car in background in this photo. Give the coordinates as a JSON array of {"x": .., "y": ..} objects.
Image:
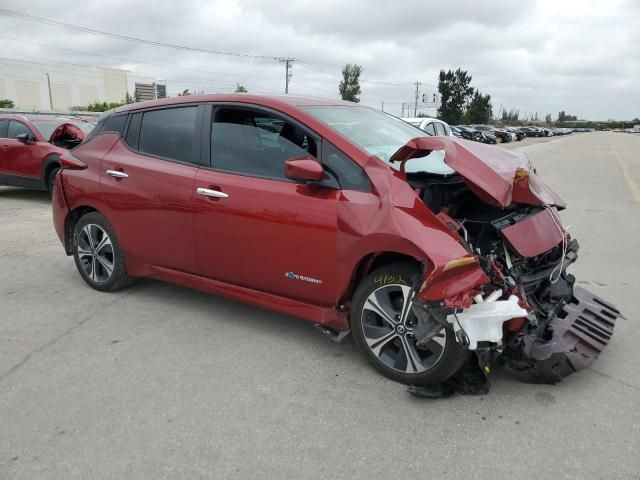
[
  {"x": 31, "y": 145},
  {"x": 467, "y": 133},
  {"x": 516, "y": 133},
  {"x": 470, "y": 133},
  {"x": 530, "y": 131},
  {"x": 432, "y": 264},
  {"x": 502, "y": 136},
  {"x": 432, "y": 126},
  {"x": 456, "y": 132}
]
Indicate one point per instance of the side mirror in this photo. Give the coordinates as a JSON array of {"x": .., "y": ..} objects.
[
  {"x": 25, "y": 138},
  {"x": 305, "y": 169}
]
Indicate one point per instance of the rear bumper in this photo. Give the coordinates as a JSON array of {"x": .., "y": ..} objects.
[{"x": 60, "y": 208}]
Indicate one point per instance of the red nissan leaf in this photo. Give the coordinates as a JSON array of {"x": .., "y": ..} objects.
[
  {"x": 434, "y": 252},
  {"x": 31, "y": 145}
]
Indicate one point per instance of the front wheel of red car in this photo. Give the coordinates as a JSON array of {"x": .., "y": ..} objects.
[
  {"x": 98, "y": 255},
  {"x": 383, "y": 327}
]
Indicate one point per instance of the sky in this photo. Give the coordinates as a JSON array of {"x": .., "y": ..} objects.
[{"x": 541, "y": 56}]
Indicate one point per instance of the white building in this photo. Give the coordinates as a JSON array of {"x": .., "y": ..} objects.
[{"x": 35, "y": 86}]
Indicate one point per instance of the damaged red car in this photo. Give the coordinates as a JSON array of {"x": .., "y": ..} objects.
[
  {"x": 31, "y": 145},
  {"x": 434, "y": 252}
]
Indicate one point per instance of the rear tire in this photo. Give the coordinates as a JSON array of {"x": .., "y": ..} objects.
[
  {"x": 98, "y": 255},
  {"x": 385, "y": 338}
]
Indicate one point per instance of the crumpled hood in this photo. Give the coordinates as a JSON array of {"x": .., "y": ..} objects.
[
  {"x": 67, "y": 135},
  {"x": 495, "y": 175}
]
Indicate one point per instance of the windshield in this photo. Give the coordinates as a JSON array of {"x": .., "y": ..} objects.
[
  {"x": 47, "y": 127},
  {"x": 379, "y": 134},
  {"x": 375, "y": 132}
]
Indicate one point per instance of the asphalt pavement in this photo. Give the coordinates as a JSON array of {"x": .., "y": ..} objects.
[{"x": 159, "y": 381}]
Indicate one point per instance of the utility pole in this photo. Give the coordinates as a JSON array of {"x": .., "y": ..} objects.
[
  {"x": 288, "y": 63},
  {"x": 50, "y": 97},
  {"x": 415, "y": 106},
  {"x": 383, "y": 105}
]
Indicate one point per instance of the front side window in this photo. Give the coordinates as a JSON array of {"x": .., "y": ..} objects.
[
  {"x": 18, "y": 128},
  {"x": 440, "y": 130},
  {"x": 169, "y": 133},
  {"x": 430, "y": 129},
  {"x": 4, "y": 128},
  {"x": 256, "y": 143},
  {"x": 350, "y": 175}
]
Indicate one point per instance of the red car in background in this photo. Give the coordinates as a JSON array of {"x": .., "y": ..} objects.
[
  {"x": 31, "y": 145},
  {"x": 338, "y": 214}
]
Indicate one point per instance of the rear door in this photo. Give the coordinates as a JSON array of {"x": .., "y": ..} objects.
[
  {"x": 147, "y": 182},
  {"x": 264, "y": 232}
]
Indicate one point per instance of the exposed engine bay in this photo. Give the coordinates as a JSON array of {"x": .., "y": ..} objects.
[{"x": 530, "y": 316}]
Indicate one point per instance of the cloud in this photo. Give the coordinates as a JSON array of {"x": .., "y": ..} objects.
[{"x": 541, "y": 55}]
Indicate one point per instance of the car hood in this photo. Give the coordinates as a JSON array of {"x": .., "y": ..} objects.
[
  {"x": 497, "y": 176},
  {"x": 66, "y": 135}
]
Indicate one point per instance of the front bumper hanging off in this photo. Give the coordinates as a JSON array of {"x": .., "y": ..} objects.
[{"x": 580, "y": 331}]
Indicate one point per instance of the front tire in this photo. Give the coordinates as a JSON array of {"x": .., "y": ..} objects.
[
  {"x": 51, "y": 178},
  {"x": 98, "y": 255},
  {"x": 382, "y": 325}
]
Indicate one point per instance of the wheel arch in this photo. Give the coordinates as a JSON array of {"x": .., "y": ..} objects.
[
  {"x": 50, "y": 162},
  {"x": 70, "y": 222},
  {"x": 372, "y": 262}
]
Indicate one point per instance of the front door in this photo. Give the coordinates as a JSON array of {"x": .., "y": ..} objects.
[
  {"x": 264, "y": 231},
  {"x": 22, "y": 159}
]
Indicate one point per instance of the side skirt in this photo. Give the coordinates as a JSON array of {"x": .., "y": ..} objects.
[
  {"x": 20, "y": 181},
  {"x": 312, "y": 313}
]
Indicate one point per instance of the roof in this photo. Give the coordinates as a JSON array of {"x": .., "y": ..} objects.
[
  {"x": 267, "y": 100},
  {"x": 30, "y": 118},
  {"x": 421, "y": 119}
]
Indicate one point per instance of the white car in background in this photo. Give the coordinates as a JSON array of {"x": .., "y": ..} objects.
[
  {"x": 434, "y": 162},
  {"x": 432, "y": 126}
]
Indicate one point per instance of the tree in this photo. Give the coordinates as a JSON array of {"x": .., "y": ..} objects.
[
  {"x": 547, "y": 119},
  {"x": 455, "y": 90},
  {"x": 240, "y": 89},
  {"x": 349, "y": 87},
  {"x": 6, "y": 103},
  {"x": 479, "y": 109}
]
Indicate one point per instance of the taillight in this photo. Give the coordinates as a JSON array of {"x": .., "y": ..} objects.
[{"x": 70, "y": 162}]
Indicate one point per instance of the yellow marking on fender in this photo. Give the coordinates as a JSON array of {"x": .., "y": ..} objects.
[{"x": 633, "y": 186}]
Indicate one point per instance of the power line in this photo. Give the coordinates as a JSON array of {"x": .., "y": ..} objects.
[
  {"x": 131, "y": 60},
  {"x": 69, "y": 26}
]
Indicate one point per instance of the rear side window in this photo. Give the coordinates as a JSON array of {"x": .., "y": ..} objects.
[
  {"x": 4, "y": 128},
  {"x": 169, "y": 133},
  {"x": 350, "y": 175},
  {"x": 18, "y": 128}
]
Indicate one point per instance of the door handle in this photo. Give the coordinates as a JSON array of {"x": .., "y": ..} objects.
[
  {"x": 117, "y": 174},
  {"x": 211, "y": 193}
]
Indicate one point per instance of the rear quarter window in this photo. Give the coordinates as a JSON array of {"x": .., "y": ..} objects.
[{"x": 115, "y": 123}]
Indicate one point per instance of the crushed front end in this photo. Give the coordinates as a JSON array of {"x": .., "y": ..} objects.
[{"x": 510, "y": 300}]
